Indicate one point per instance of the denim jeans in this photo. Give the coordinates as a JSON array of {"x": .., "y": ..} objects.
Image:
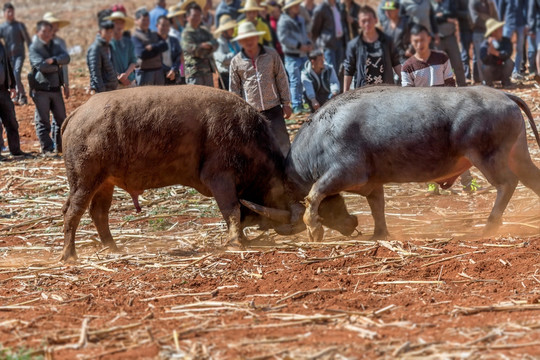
[
  {"x": 294, "y": 66},
  {"x": 531, "y": 54},
  {"x": 520, "y": 32},
  {"x": 465, "y": 39},
  {"x": 478, "y": 38},
  {"x": 335, "y": 56}
]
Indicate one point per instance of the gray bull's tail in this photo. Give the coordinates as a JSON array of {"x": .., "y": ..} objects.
[{"x": 523, "y": 105}]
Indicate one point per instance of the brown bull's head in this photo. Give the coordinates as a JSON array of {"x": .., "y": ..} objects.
[{"x": 284, "y": 222}]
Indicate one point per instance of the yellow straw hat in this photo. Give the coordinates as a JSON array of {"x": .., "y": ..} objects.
[
  {"x": 492, "y": 25},
  {"x": 175, "y": 11},
  {"x": 251, "y": 5},
  {"x": 118, "y": 15},
  {"x": 225, "y": 23},
  {"x": 184, "y": 5},
  {"x": 54, "y": 20}
]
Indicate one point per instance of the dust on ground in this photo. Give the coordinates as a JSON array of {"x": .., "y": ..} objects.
[{"x": 434, "y": 289}]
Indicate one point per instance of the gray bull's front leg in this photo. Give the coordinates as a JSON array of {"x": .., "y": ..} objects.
[{"x": 376, "y": 203}]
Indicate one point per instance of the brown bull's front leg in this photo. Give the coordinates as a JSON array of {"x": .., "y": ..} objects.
[{"x": 224, "y": 191}]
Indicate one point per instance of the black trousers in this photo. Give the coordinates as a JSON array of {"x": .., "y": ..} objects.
[
  {"x": 278, "y": 127},
  {"x": 7, "y": 113}
]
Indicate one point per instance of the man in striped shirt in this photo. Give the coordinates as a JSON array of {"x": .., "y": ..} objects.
[
  {"x": 426, "y": 67},
  {"x": 431, "y": 68}
]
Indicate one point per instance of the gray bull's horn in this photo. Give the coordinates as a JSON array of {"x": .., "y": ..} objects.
[{"x": 282, "y": 216}]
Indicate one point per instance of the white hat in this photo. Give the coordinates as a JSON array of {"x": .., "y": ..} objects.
[
  {"x": 247, "y": 30},
  {"x": 289, "y": 3}
]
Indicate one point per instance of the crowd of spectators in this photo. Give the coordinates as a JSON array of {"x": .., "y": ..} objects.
[{"x": 283, "y": 57}]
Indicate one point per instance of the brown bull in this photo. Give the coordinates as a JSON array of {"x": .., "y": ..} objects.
[{"x": 151, "y": 137}]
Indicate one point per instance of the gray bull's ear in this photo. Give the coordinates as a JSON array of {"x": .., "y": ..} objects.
[{"x": 282, "y": 216}]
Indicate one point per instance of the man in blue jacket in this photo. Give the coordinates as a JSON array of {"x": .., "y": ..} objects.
[{"x": 292, "y": 35}]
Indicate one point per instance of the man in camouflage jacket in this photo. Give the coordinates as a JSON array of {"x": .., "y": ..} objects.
[{"x": 198, "y": 45}]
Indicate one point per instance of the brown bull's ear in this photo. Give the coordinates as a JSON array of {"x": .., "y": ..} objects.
[{"x": 282, "y": 216}]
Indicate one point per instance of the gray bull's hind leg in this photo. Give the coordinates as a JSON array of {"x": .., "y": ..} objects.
[
  {"x": 521, "y": 164},
  {"x": 99, "y": 212},
  {"x": 497, "y": 171},
  {"x": 376, "y": 204}
]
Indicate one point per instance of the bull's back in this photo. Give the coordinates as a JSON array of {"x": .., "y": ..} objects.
[
  {"x": 402, "y": 134},
  {"x": 144, "y": 137}
]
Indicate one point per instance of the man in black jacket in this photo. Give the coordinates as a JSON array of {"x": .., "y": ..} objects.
[
  {"x": 103, "y": 76},
  {"x": 15, "y": 35},
  {"x": 328, "y": 33},
  {"x": 371, "y": 57},
  {"x": 47, "y": 58},
  {"x": 148, "y": 49},
  {"x": 7, "y": 91}
]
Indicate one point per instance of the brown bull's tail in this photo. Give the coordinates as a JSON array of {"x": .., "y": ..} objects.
[
  {"x": 523, "y": 105},
  {"x": 64, "y": 124}
]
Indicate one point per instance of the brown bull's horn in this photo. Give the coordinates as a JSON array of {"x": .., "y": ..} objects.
[{"x": 282, "y": 216}]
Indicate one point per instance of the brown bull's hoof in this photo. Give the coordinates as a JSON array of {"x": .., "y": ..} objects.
[
  {"x": 234, "y": 245},
  {"x": 380, "y": 235},
  {"x": 69, "y": 257}
]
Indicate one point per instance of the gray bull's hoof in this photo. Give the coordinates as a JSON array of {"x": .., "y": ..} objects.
[
  {"x": 315, "y": 233},
  {"x": 491, "y": 227}
]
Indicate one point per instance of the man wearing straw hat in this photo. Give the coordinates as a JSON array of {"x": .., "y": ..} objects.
[
  {"x": 47, "y": 59},
  {"x": 198, "y": 45},
  {"x": 58, "y": 24},
  {"x": 251, "y": 10},
  {"x": 123, "y": 51},
  {"x": 15, "y": 35},
  {"x": 495, "y": 53},
  {"x": 226, "y": 50},
  {"x": 257, "y": 75},
  {"x": 177, "y": 18},
  {"x": 296, "y": 45}
]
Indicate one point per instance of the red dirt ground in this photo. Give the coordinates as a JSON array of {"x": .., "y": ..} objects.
[{"x": 460, "y": 295}]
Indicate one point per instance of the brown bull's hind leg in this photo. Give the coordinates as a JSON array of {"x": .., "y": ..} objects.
[
  {"x": 99, "y": 212},
  {"x": 73, "y": 210}
]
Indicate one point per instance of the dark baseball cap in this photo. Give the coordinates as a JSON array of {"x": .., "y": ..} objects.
[{"x": 141, "y": 12}]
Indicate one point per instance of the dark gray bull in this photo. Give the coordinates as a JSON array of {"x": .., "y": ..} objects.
[
  {"x": 151, "y": 137},
  {"x": 366, "y": 138}
]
